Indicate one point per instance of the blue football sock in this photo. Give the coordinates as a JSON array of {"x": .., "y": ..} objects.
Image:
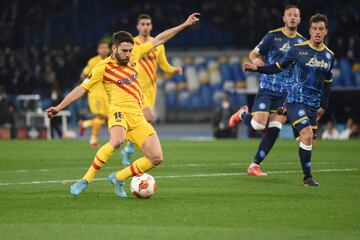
[{"x": 266, "y": 144}]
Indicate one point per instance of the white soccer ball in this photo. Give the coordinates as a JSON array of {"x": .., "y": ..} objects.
[{"x": 143, "y": 185}]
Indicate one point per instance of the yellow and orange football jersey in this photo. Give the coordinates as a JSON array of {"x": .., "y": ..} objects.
[
  {"x": 148, "y": 66},
  {"x": 99, "y": 90},
  {"x": 98, "y": 100},
  {"x": 121, "y": 82}
]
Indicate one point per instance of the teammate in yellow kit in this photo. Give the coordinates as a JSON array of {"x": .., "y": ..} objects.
[
  {"x": 119, "y": 74},
  {"x": 98, "y": 99},
  {"x": 148, "y": 66}
]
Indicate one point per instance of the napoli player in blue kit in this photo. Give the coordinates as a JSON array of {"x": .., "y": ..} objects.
[
  {"x": 312, "y": 63},
  {"x": 273, "y": 88}
]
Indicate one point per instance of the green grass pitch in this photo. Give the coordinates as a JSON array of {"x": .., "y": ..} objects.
[{"x": 203, "y": 193}]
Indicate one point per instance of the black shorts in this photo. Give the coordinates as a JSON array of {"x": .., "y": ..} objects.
[
  {"x": 301, "y": 116},
  {"x": 267, "y": 101}
]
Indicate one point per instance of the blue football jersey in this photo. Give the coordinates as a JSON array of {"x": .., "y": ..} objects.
[
  {"x": 273, "y": 47},
  {"x": 312, "y": 68}
]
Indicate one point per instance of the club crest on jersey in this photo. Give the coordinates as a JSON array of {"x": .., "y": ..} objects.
[
  {"x": 262, "y": 106},
  {"x": 301, "y": 112},
  {"x": 313, "y": 62},
  {"x": 285, "y": 47},
  {"x": 328, "y": 55}
]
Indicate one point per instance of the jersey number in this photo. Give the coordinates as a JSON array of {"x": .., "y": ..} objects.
[{"x": 118, "y": 115}]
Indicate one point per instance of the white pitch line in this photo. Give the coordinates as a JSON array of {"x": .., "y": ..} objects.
[
  {"x": 181, "y": 176},
  {"x": 164, "y": 166}
]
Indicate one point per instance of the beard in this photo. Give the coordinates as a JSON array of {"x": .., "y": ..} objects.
[
  {"x": 122, "y": 62},
  {"x": 292, "y": 28}
]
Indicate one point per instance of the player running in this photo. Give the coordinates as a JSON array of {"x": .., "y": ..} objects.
[
  {"x": 119, "y": 74},
  {"x": 312, "y": 65},
  {"x": 148, "y": 66},
  {"x": 97, "y": 99},
  {"x": 273, "y": 88}
]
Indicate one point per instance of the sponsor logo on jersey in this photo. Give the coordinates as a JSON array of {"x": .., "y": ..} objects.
[
  {"x": 313, "y": 62},
  {"x": 127, "y": 80}
]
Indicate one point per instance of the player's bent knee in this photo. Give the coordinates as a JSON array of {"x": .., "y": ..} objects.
[
  {"x": 275, "y": 124},
  {"x": 116, "y": 142},
  {"x": 306, "y": 136},
  {"x": 149, "y": 118},
  {"x": 256, "y": 125},
  {"x": 156, "y": 159}
]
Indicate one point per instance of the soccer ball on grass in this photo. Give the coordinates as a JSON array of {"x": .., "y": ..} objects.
[{"x": 143, "y": 185}]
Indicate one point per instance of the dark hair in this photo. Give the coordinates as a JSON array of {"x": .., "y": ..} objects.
[
  {"x": 122, "y": 36},
  {"x": 290, "y": 6},
  {"x": 318, "y": 18},
  {"x": 143, "y": 16}
]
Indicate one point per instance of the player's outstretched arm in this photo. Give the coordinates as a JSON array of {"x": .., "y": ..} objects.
[
  {"x": 74, "y": 95},
  {"x": 255, "y": 58},
  {"x": 267, "y": 69},
  {"x": 164, "y": 36},
  {"x": 277, "y": 67}
]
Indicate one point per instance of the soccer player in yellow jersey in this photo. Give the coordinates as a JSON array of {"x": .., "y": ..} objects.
[
  {"x": 119, "y": 74},
  {"x": 98, "y": 99},
  {"x": 148, "y": 66}
]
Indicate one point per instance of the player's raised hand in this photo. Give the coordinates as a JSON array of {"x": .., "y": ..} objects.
[
  {"x": 258, "y": 62},
  {"x": 192, "y": 19},
  {"x": 52, "y": 111},
  {"x": 178, "y": 70},
  {"x": 249, "y": 67}
]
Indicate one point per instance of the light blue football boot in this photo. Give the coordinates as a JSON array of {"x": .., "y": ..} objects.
[
  {"x": 78, "y": 187},
  {"x": 118, "y": 185},
  {"x": 126, "y": 153}
]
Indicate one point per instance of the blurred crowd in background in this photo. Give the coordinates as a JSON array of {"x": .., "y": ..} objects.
[{"x": 45, "y": 44}]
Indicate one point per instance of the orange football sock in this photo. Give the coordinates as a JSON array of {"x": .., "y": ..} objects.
[{"x": 101, "y": 157}]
